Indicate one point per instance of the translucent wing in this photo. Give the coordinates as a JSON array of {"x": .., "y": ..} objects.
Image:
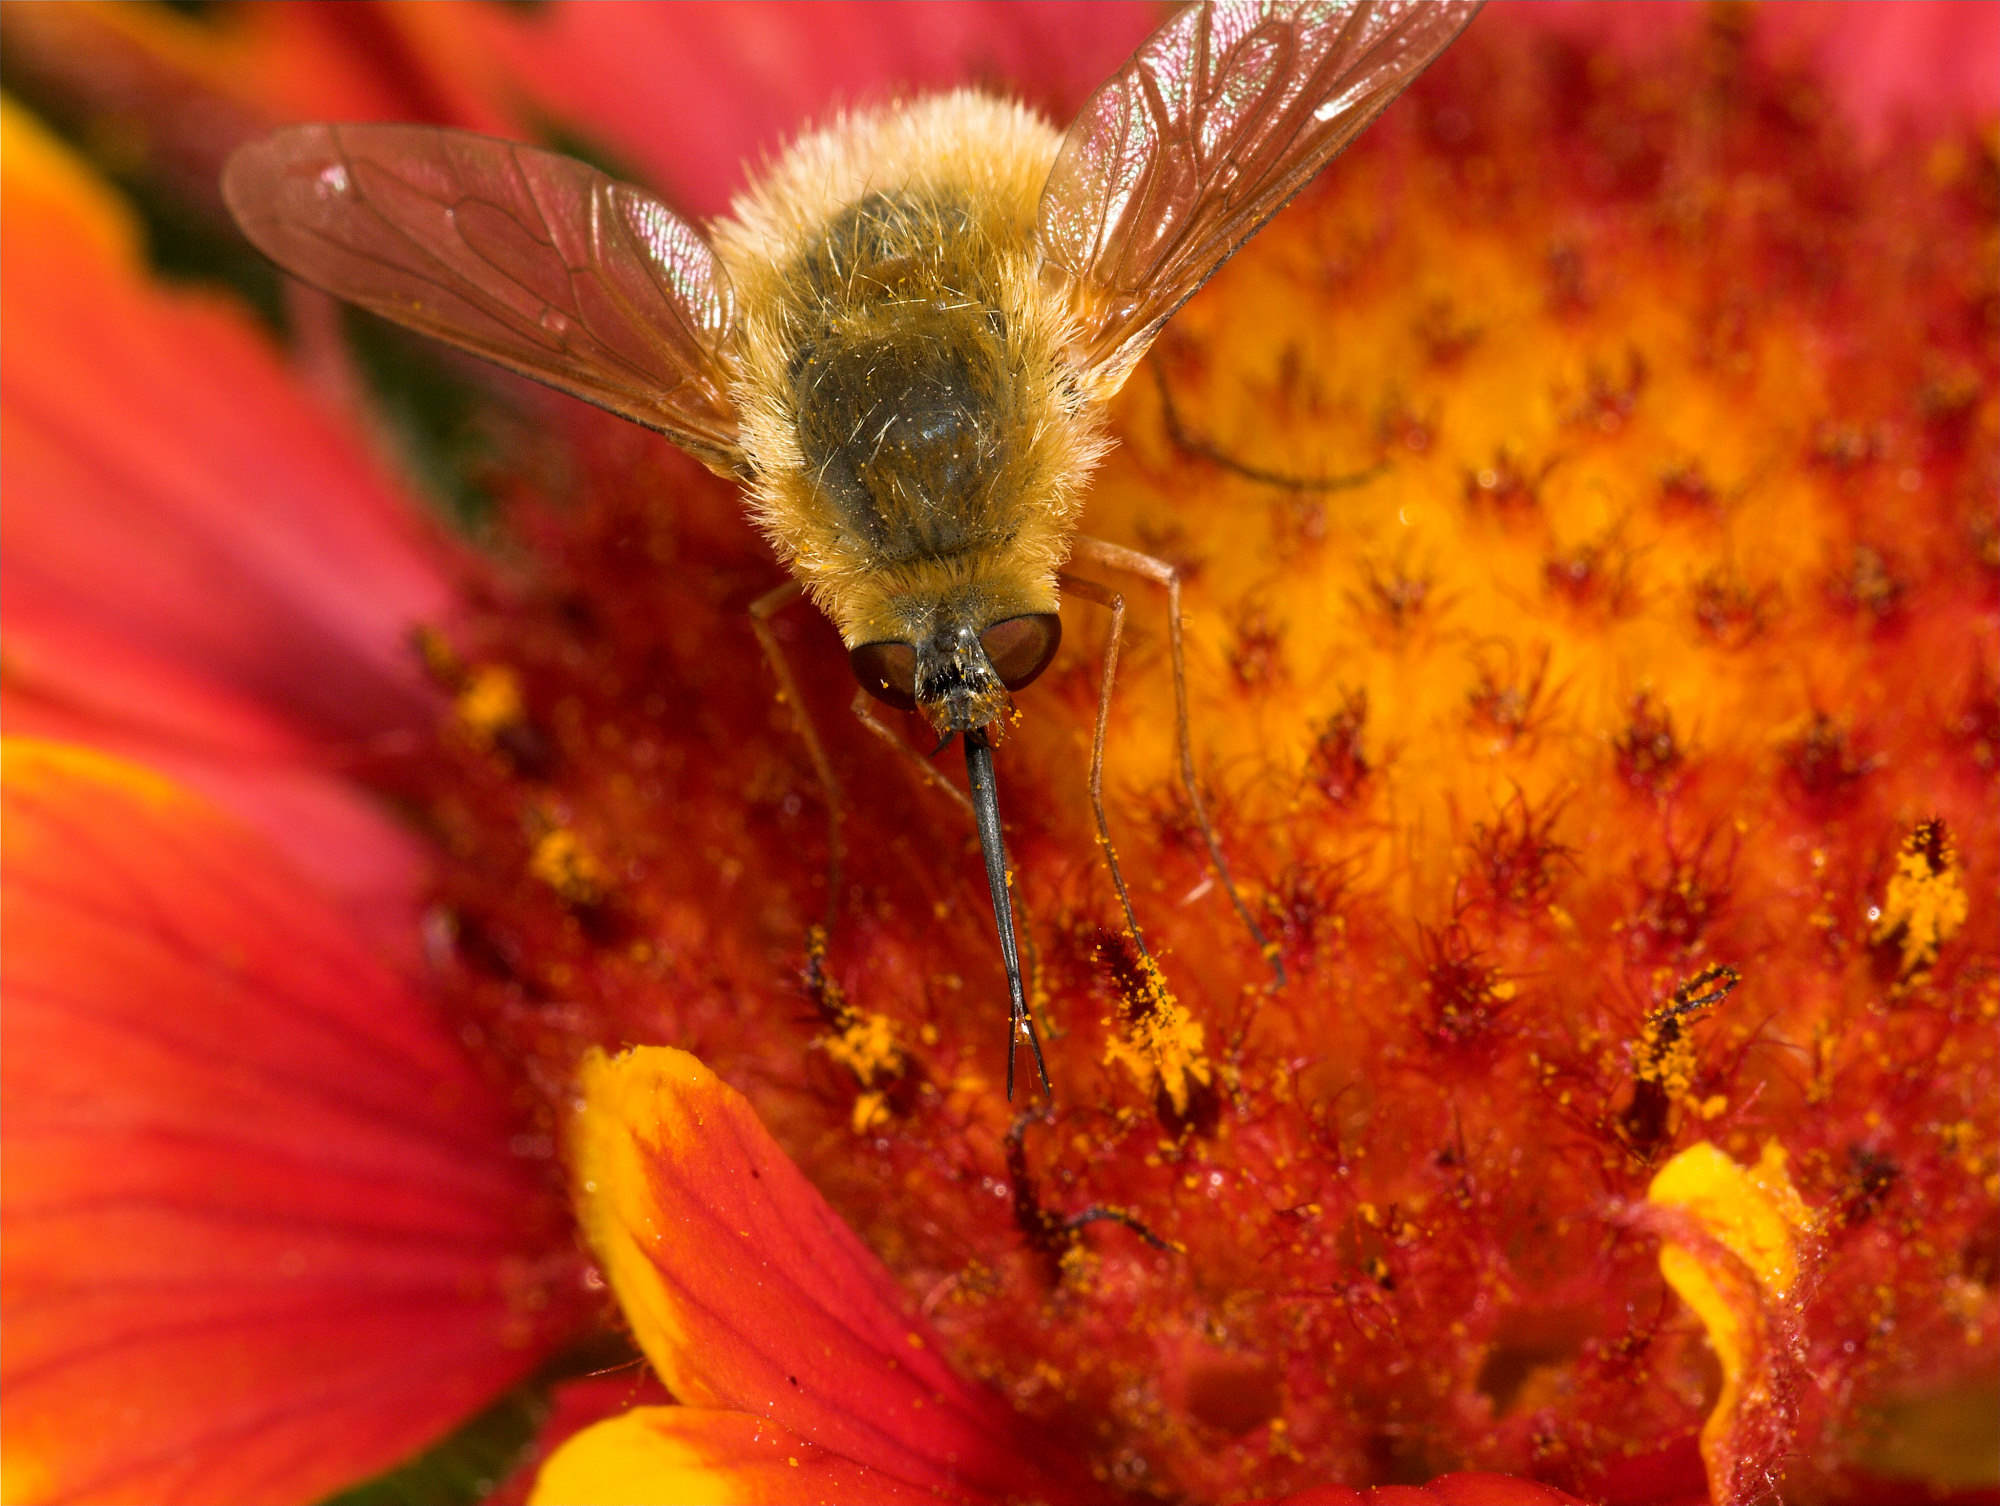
[
  {"x": 1219, "y": 118},
  {"x": 532, "y": 260}
]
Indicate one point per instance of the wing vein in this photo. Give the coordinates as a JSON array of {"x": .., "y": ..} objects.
[
  {"x": 531, "y": 260},
  {"x": 1211, "y": 127}
]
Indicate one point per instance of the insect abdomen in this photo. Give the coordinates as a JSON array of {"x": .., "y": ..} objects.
[
  {"x": 915, "y": 435},
  {"x": 901, "y": 389}
]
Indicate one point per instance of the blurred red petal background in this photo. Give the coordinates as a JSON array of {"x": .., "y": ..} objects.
[
  {"x": 171, "y": 487},
  {"x": 263, "y": 1234},
  {"x": 203, "y": 570}
]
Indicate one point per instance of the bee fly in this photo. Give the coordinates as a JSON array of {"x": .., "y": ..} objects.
[{"x": 901, "y": 340}]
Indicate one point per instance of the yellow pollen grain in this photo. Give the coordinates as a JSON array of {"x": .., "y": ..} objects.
[
  {"x": 488, "y": 702},
  {"x": 1159, "y": 1042},
  {"x": 1079, "y": 1264},
  {"x": 1664, "y": 1054},
  {"x": 865, "y": 1043},
  {"x": 866, "y": 1046},
  {"x": 1669, "y": 1062},
  {"x": 561, "y": 861},
  {"x": 1925, "y": 900},
  {"x": 871, "y": 1109}
]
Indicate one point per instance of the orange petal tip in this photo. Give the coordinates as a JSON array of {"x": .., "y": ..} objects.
[
  {"x": 694, "y": 1456},
  {"x": 749, "y": 1294},
  {"x": 47, "y": 182},
  {"x": 1738, "y": 1242}
]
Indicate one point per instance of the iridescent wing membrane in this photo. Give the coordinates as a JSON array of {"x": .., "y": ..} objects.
[
  {"x": 532, "y": 260},
  {"x": 1218, "y": 119}
]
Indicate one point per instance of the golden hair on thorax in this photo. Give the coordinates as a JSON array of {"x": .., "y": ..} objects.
[
  {"x": 900, "y": 340},
  {"x": 917, "y": 444}
]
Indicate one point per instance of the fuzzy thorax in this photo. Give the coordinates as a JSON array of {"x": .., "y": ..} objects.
[{"x": 918, "y": 441}]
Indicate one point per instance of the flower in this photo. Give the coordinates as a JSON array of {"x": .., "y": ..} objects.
[
  {"x": 801, "y": 1372},
  {"x": 245, "y": 1157},
  {"x": 1593, "y": 653}
]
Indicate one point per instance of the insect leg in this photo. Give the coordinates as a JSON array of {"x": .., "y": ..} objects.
[
  {"x": 864, "y": 710},
  {"x": 762, "y": 610},
  {"x": 1111, "y": 600},
  {"x": 1117, "y": 557},
  {"x": 1214, "y": 454},
  {"x": 1098, "y": 1214}
]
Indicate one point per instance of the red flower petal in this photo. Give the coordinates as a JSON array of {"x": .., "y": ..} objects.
[
  {"x": 371, "y": 62},
  {"x": 262, "y": 1233},
  {"x": 63, "y": 683},
  {"x": 178, "y": 94},
  {"x": 1922, "y": 63},
  {"x": 689, "y": 93},
  {"x": 1929, "y": 65},
  {"x": 749, "y": 1294},
  {"x": 168, "y": 485}
]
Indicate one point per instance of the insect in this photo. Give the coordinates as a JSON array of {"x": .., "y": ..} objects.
[{"x": 901, "y": 340}]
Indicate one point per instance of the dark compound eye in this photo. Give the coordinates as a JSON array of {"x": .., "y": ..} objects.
[
  {"x": 888, "y": 672},
  {"x": 1020, "y": 648}
]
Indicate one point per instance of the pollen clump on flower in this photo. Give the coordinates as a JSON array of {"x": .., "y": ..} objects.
[
  {"x": 1925, "y": 903},
  {"x": 1155, "y": 1038},
  {"x": 1664, "y": 1062},
  {"x": 1582, "y": 497},
  {"x": 489, "y": 701},
  {"x": 561, "y": 861},
  {"x": 865, "y": 1042},
  {"x": 866, "y": 1047}
]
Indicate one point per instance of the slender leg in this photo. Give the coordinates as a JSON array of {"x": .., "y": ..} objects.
[
  {"x": 1104, "y": 597},
  {"x": 1048, "y": 1230},
  {"x": 1207, "y": 449},
  {"x": 864, "y": 712},
  {"x": 1117, "y": 557},
  {"x": 1099, "y": 1214},
  {"x": 762, "y": 610}
]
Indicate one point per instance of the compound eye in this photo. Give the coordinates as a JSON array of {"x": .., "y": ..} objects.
[
  {"x": 1020, "y": 648},
  {"x": 888, "y": 672}
]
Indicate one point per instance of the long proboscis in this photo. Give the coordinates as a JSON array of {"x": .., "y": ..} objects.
[{"x": 993, "y": 847}]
